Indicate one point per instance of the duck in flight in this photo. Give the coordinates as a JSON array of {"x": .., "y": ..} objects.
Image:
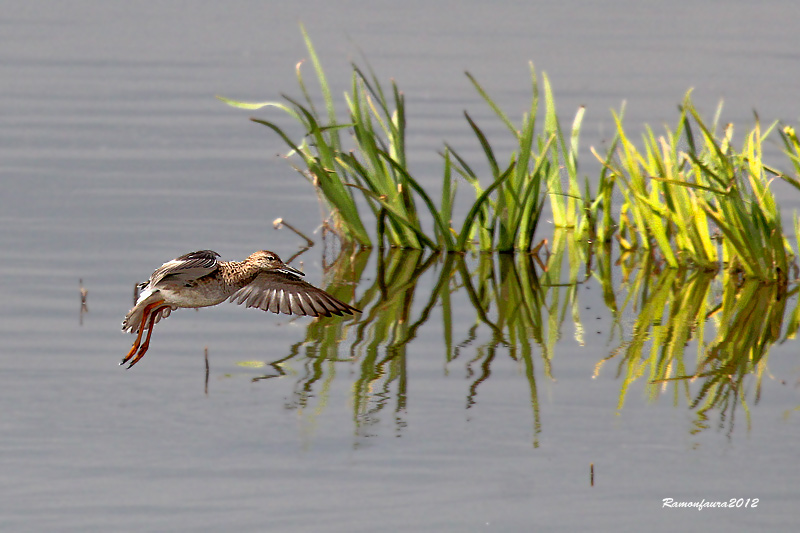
[{"x": 198, "y": 279}]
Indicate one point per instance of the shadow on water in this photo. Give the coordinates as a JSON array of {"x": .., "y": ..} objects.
[{"x": 702, "y": 338}]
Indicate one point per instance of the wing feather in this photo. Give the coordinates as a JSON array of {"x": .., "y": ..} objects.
[
  {"x": 190, "y": 266},
  {"x": 281, "y": 292}
]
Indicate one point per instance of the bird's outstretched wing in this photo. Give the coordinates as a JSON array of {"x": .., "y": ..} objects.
[
  {"x": 280, "y": 292},
  {"x": 186, "y": 268},
  {"x": 190, "y": 266}
]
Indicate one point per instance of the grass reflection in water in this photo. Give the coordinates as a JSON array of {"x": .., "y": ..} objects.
[{"x": 701, "y": 337}]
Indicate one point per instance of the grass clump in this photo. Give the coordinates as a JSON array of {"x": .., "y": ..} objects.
[
  {"x": 694, "y": 200},
  {"x": 365, "y": 156},
  {"x": 690, "y": 197}
]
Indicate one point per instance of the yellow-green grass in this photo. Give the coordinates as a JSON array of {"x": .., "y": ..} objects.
[{"x": 691, "y": 196}]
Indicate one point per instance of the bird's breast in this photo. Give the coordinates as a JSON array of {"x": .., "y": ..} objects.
[{"x": 196, "y": 294}]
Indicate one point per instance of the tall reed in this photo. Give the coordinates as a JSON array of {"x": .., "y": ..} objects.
[{"x": 690, "y": 198}]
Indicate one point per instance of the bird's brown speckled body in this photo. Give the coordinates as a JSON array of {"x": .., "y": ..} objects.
[{"x": 197, "y": 279}]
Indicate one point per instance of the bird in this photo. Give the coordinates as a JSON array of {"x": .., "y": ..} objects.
[{"x": 199, "y": 279}]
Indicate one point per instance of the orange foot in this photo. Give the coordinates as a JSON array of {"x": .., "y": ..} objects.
[{"x": 148, "y": 316}]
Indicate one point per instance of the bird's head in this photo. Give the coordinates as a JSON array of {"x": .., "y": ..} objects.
[{"x": 270, "y": 262}]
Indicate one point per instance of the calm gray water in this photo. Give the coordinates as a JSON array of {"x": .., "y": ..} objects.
[{"x": 115, "y": 157}]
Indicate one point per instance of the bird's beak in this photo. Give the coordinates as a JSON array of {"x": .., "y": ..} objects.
[{"x": 286, "y": 269}]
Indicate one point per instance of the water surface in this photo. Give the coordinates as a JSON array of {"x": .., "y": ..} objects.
[{"x": 115, "y": 157}]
